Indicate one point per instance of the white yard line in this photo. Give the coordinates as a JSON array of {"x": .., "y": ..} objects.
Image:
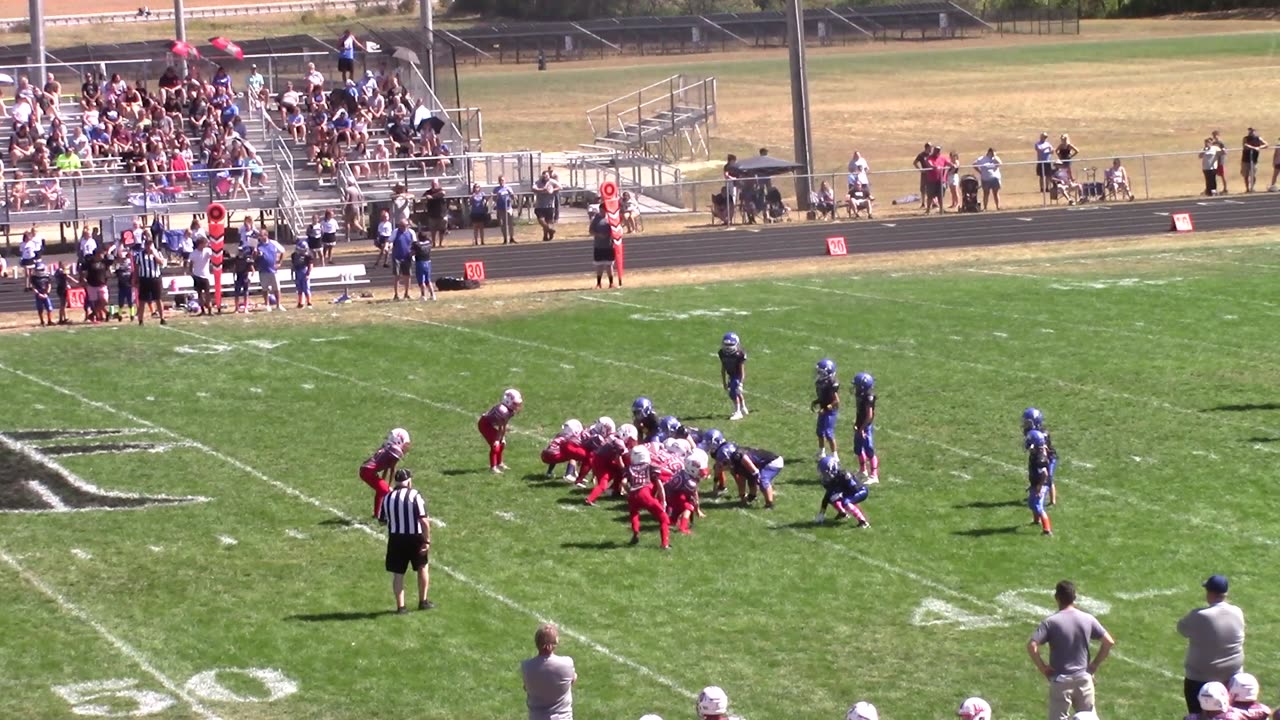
[
  {"x": 124, "y": 648},
  {"x": 355, "y": 524},
  {"x": 54, "y": 502}
]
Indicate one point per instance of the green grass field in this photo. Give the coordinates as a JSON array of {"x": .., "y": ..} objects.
[{"x": 1157, "y": 372}]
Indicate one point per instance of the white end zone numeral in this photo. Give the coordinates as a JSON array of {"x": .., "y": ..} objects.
[
  {"x": 1013, "y": 601},
  {"x": 122, "y": 698},
  {"x": 113, "y": 698},
  {"x": 933, "y": 611}
]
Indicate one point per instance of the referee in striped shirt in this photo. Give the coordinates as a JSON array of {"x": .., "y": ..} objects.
[
  {"x": 148, "y": 266},
  {"x": 408, "y": 538}
]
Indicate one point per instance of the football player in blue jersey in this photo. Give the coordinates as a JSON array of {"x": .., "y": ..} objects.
[
  {"x": 843, "y": 492},
  {"x": 733, "y": 373},
  {"x": 753, "y": 470},
  {"x": 1038, "y": 479},
  {"x": 668, "y": 427},
  {"x": 864, "y": 428},
  {"x": 1033, "y": 419},
  {"x": 827, "y": 405},
  {"x": 645, "y": 418}
]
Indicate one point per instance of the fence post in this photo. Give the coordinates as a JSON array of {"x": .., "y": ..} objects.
[{"x": 1146, "y": 179}]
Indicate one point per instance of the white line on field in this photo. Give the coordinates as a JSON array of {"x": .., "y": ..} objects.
[
  {"x": 352, "y": 523},
  {"x": 155, "y": 548},
  {"x": 82, "y": 554},
  {"x": 228, "y": 540},
  {"x": 50, "y": 497},
  {"x": 1144, "y": 594},
  {"x": 121, "y": 646},
  {"x": 961, "y": 475},
  {"x": 508, "y": 516},
  {"x": 593, "y": 298},
  {"x": 295, "y": 534}
]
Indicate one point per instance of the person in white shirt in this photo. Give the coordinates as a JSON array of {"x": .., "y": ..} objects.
[
  {"x": 29, "y": 253},
  {"x": 859, "y": 170},
  {"x": 198, "y": 262},
  {"x": 1044, "y": 162},
  {"x": 383, "y": 241},
  {"x": 328, "y": 235},
  {"x": 1117, "y": 179},
  {"x": 989, "y": 167},
  {"x": 1209, "y": 164},
  {"x": 315, "y": 80}
]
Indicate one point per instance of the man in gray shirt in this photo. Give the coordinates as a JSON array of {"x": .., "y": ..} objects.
[
  {"x": 1069, "y": 670},
  {"x": 548, "y": 678},
  {"x": 1215, "y": 641}
]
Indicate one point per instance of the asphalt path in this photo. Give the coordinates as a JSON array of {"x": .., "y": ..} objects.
[{"x": 797, "y": 240}]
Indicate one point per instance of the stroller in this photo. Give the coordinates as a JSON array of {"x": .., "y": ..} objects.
[{"x": 969, "y": 187}]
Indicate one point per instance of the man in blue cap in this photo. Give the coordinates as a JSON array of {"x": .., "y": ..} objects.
[{"x": 1215, "y": 641}]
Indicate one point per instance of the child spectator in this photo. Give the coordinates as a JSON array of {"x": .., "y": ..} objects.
[
  {"x": 61, "y": 283},
  {"x": 328, "y": 236},
  {"x": 241, "y": 264},
  {"x": 41, "y": 286},
  {"x": 301, "y": 263},
  {"x": 383, "y": 239}
]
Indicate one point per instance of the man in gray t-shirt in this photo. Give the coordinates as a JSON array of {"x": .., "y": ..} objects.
[
  {"x": 548, "y": 678},
  {"x": 1215, "y": 640},
  {"x": 1070, "y": 671}
]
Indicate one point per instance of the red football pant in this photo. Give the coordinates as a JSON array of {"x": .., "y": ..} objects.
[
  {"x": 643, "y": 499},
  {"x": 380, "y": 487},
  {"x": 493, "y": 438},
  {"x": 677, "y": 505},
  {"x": 568, "y": 452},
  {"x": 604, "y": 473}
]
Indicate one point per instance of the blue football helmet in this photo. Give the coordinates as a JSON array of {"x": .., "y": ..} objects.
[
  {"x": 1032, "y": 418},
  {"x": 1037, "y": 439},
  {"x": 726, "y": 451},
  {"x": 642, "y": 407},
  {"x": 730, "y": 340},
  {"x": 669, "y": 425},
  {"x": 828, "y": 467},
  {"x": 826, "y": 368},
  {"x": 712, "y": 440},
  {"x": 864, "y": 382}
]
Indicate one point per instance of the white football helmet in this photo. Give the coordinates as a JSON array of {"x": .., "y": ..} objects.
[
  {"x": 629, "y": 432},
  {"x": 712, "y": 701},
  {"x": 1085, "y": 715},
  {"x": 1244, "y": 688},
  {"x": 678, "y": 447},
  {"x": 512, "y": 398},
  {"x": 863, "y": 711},
  {"x": 571, "y": 426},
  {"x": 399, "y": 436},
  {"x": 696, "y": 463},
  {"x": 605, "y": 426},
  {"x": 974, "y": 708},
  {"x": 650, "y": 716},
  {"x": 1214, "y": 697},
  {"x": 639, "y": 455}
]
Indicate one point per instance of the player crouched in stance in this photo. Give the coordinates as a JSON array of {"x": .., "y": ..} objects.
[
  {"x": 645, "y": 492},
  {"x": 753, "y": 469},
  {"x": 863, "y": 711},
  {"x": 493, "y": 427},
  {"x": 1033, "y": 419},
  {"x": 609, "y": 461},
  {"x": 566, "y": 447},
  {"x": 682, "y": 490},
  {"x": 864, "y": 429},
  {"x": 1244, "y": 692},
  {"x": 379, "y": 467},
  {"x": 1038, "y": 479},
  {"x": 974, "y": 708},
  {"x": 827, "y": 405},
  {"x": 645, "y": 418},
  {"x": 1215, "y": 704},
  {"x": 733, "y": 373},
  {"x": 843, "y": 492}
]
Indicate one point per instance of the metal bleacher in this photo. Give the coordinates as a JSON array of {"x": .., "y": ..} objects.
[{"x": 668, "y": 120}]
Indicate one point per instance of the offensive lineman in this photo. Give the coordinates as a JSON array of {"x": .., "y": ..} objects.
[{"x": 752, "y": 468}]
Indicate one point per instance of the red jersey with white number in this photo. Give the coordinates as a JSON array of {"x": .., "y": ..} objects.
[
  {"x": 668, "y": 463},
  {"x": 556, "y": 446},
  {"x": 498, "y": 416},
  {"x": 386, "y": 457},
  {"x": 641, "y": 476}
]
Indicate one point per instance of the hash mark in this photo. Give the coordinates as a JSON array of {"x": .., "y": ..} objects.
[
  {"x": 308, "y": 386},
  {"x": 228, "y": 541},
  {"x": 961, "y": 475},
  {"x": 296, "y": 534},
  {"x": 154, "y": 548},
  {"x": 81, "y": 554},
  {"x": 509, "y": 517},
  {"x": 257, "y": 390}
]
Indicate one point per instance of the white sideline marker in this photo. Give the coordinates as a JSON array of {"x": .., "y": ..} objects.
[{"x": 121, "y": 646}]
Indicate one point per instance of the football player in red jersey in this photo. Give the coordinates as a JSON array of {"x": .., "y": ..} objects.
[
  {"x": 608, "y": 462},
  {"x": 682, "y": 490},
  {"x": 493, "y": 427},
  {"x": 382, "y": 464},
  {"x": 645, "y": 492},
  {"x": 566, "y": 447}
]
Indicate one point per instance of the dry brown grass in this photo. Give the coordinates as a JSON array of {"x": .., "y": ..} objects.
[{"x": 508, "y": 298}]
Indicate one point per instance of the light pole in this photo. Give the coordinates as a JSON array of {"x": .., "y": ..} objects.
[
  {"x": 37, "y": 42},
  {"x": 801, "y": 128},
  {"x": 427, "y": 13},
  {"x": 180, "y": 33}
]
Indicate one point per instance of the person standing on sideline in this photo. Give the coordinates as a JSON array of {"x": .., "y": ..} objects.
[
  {"x": 503, "y": 207},
  {"x": 1249, "y": 156},
  {"x": 148, "y": 266},
  {"x": 267, "y": 257},
  {"x": 422, "y": 266},
  {"x": 408, "y": 538},
  {"x": 548, "y": 678},
  {"x": 401, "y": 258},
  {"x": 988, "y": 167},
  {"x": 1044, "y": 162},
  {"x": 544, "y": 204},
  {"x": 347, "y": 45},
  {"x": 1215, "y": 641},
  {"x": 1069, "y": 671},
  {"x": 602, "y": 248}
]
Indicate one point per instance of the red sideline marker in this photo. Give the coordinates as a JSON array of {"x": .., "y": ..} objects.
[
  {"x": 611, "y": 206},
  {"x": 1181, "y": 222},
  {"x": 473, "y": 270},
  {"x": 75, "y": 297},
  {"x": 836, "y": 246}
]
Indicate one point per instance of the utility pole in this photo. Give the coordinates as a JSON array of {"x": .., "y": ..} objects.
[
  {"x": 180, "y": 32},
  {"x": 37, "y": 42},
  {"x": 429, "y": 41},
  {"x": 801, "y": 128}
]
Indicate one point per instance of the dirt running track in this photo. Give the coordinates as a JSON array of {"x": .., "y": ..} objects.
[{"x": 789, "y": 241}]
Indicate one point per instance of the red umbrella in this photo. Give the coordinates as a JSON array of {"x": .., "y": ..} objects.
[
  {"x": 184, "y": 50},
  {"x": 227, "y": 46}
]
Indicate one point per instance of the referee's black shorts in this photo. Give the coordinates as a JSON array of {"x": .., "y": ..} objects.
[
  {"x": 405, "y": 550},
  {"x": 150, "y": 290}
]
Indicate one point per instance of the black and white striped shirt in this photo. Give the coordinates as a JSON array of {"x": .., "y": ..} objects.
[
  {"x": 402, "y": 510},
  {"x": 147, "y": 265}
]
